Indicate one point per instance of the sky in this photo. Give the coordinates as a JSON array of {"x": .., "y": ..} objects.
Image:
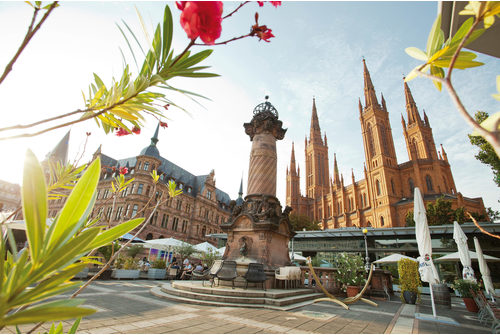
[{"x": 317, "y": 52}]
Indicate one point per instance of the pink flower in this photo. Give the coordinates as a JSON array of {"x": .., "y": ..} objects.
[
  {"x": 274, "y": 3},
  {"x": 166, "y": 106},
  {"x": 122, "y": 132},
  {"x": 136, "y": 130},
  {"x": 163, "y": 124},
  {"x": 265, "y": 35},
  {"x": 261, "y": 3},
  {"x": 201, "y": 19},
  {"x": 123, "y": 170}
]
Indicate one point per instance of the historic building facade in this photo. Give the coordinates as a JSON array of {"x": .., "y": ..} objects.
[
  {"x": 10, "y": 196},
  {"x": 385, "y": 195},
  {"x": 197, "y": 212}
]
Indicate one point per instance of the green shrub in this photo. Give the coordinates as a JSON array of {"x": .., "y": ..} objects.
[
  {"x": 464, "y": 287},
  {"x": 350, "y": 269},
  {"x": 134, "y": 250},
  {"x": 159, "y": 264},
  {"x": 409, "y": 278}
]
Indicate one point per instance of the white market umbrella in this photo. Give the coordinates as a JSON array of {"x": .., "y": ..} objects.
[
  {"x": 222, "y": 250},
  {"x": 483, "y": 268},
  {"x": 463, "y": 252},
  {"x": 394, "y": 258},
  {"x": 165, "y": 244},
  {"x": 455, "y": 257},
  {"x": 297, "y": 257},
  {"x": 206, "y": 247},
  {"x": 426, "y": 267}
]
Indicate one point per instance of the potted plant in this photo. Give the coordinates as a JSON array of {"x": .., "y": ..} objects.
[
  {"x": 126, "y": 268},
  {"x": 409, "y": 280},
  {"x": 157, "y": 270},
  {"x": 464, "y": 287},
  {"x": 350, "y": 272},
  {"x": 107, "y": 252}
]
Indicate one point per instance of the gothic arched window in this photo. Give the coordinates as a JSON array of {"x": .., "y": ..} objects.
[
  {"x": 385, "y": 142},
  {"x": 411, "y": 185},
  {"x": 371, "y": 144},
  {"x": 393, "y": 187},
  {"x": 382, "y": 221},
  {"x": 379, "y": 191},
  {"x": 428, "y": 181}
]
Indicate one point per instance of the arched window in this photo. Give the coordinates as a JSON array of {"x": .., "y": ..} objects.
[
  {"x": 411, "y": 185},
  {"x": 385, "y": 143},
  {"x": 377, "y": 183},
  {"x": 203, "y": 231},
  {"x": 428, "y": 181},
  {"x": 381, "y": 221},
  {"x": 149, "y": 236},
  {"x": 393, "y": 187},
  {"x": 371, "y": 145}
]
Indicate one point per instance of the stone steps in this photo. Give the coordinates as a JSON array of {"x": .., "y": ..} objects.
[{"x": 192, "y": 292}]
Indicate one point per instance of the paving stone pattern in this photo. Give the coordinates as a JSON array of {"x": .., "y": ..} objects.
[{"x": 128, "y": 307}]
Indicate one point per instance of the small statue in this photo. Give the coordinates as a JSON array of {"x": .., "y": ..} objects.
[{"x": 286, "y": 211}]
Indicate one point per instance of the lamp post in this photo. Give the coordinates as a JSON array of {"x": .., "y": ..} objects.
[{"x": 367, "y": 259}]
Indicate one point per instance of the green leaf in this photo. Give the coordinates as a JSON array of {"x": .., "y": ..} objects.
[
  {"x": 55, "y": 310},
  {"x": 459, "y": 64},
  {"x": 71, "y": 217},
  {"x": 462, "y": 31},
  {"x": 114, "y": 233},
  {"x": 438, "y": 72},
  {"x": 167, "y": 33},
  {"x": 436, "y": 37},
  {"x": 75, "y": 325},
  {"x": 416, "y": 53},
  {"x": 489, "y": 124},
  {"x": 34, "y": 198},
  {"x": 497, "y": 95}
]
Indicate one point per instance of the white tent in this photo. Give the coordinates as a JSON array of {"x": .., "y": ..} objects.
[
  {"x": 455, "y": 257},
  {"x": 222, "y": 251},
  {"x": 163, "y": 243},
  {"x": 394, "y": 258},
  {"x": 206, "y": 247},
  {"x": 463, "y": 252}
]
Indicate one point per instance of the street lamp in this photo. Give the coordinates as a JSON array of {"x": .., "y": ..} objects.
[{"x": 367, "y": 259}]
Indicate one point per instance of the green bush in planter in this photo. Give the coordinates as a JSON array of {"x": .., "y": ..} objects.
[
  {"x": 409, "y": 278},
  {"x": 464, "y": 287},
  {"x": 350, "y": 269},
  {"x": 159, "y": 264}
]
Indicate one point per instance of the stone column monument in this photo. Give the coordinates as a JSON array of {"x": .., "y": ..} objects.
[{"x": 258, "y": 230}]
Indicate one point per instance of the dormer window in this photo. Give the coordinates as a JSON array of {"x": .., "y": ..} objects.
[
  {"x": 161, "y": 177},
  {"x": 146, "y": 166},
  {"x": 209, "y": 195},
  {"x": 132, "y": 171},
  {"x": 189, "y": 189},
  {"x": 139, "y": 166},
  {"x": 181, "y": 186}
]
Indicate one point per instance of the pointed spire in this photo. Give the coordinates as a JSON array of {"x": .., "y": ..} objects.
[
  {"x": 240, "y": 193},
  {"x": 352, "y": 176},
  {"x": 383, "y": 102},
  {"x": 411, "y": 106},
  {"x": 342, "y": 180},
  {"x": 155, "y": 139},
  {"x": 360, "y": 107},
  {"x": 315, "y": 131},
  {"x": 443, "y": 153},
  {"x": 370, "y": 96},
  {"x": 60, "y": 151},
  {"x": 99, "y": 150},
  {"x": 325, "y": 140},
  {"x": 403, "y": 122},
  {"x": 426, "y": 120},
  {"x": 292, "y": 160},
  {"x": 335, "y": 169}
]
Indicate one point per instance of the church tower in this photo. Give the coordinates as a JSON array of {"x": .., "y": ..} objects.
[
  {"x": 317, "y": 172},
  {"x": 380, "y": 155},
  {"x": 293, "y": 183}
]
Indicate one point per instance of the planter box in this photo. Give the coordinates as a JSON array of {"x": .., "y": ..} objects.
[
  {"x": 126, "y": 274},
  {"x": 157, "y": 273}
]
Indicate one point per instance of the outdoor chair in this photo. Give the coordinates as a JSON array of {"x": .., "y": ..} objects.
[
  {"x": 213, "y": 271},
  {"x": 283, "y": 274},
  {"x": 195, "y": 275},
  {"x": 488, "y": 312},
  {"x": 172, "y": 273},
  {"x": 227, "y": 272},
  {"x": 255, "y": 274}
]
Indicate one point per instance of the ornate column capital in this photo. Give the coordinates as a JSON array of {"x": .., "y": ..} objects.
[{"x": 265, "y": 120}]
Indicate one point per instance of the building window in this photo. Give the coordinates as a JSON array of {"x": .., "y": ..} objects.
[
  {"x": 132, "y": 171},
  {"x": 98, "y": 193},
  {"x": 217, "y": 219},
  {"x": 108, "y": 213},
  {"x": 179, "y": 204},
  {"x": 118, "y": 213},
  {"x": 164, "y": 221},
  {"x": 139, "y": 189},
  {"x": 188, "y": 208},
  {"x": 371, "y": 145},
  {"x": 203, "y": 231},
  {"x": 175, "y": 223},
  {"x": 153, "y": 167},
  {"x": 428, "y": 181},
  {"x": 149, "y": 236},
  {"x": 154, "y": 219},
  {"x": 209, "y": 195},
  {"x": 148, "y": 189},
  {"x": 377, "y": 183},
  {"x": 189, "y": 189},
  {"x": 169, "y": 202},
  {"x": 134, "y": 210},
  {"x": 132, "y": 189},
  {"x": 184, "y": 226},
  {"x": 127, "y": 210},
  {"x": 181, "y": 186},
  {"x": 411, "y": 185},
  {"x": 381, "y": 221},
  {"x": 393, "y": 187},
  {"x": 105, "y": 195},
  {"x": 146, "y": 166},
  {"x": 139, "y": 166}
]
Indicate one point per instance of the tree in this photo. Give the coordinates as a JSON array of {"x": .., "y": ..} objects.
[
  {"x": 440, "y": 212},
  {"x": 486, "y": 154},
  {"x": 410, "y": 222},
  {"x": 494, "y": 215},
  {"x": 299, "y": 222}
]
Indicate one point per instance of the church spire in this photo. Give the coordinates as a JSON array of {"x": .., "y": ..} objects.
[
  {"x": 315, "y": 132},
  {"x": 411, "y": 106},
  {"x": 292, "y": 160},
  {"x": 370, "y": 96},
  {"x": 60, "y": 151},
  {"x": 155, "y": 139}
]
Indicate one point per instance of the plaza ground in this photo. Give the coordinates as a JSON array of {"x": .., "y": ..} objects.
[{"x": 127, "y": 306}]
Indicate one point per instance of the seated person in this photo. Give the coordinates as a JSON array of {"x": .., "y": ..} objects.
[
  {"x": 199, "y": 268},
  {"x": 144, "y": 264},
  {"x": 187, "y": 271}
]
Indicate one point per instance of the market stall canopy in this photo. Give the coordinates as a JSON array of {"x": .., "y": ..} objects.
[
  {"x": 129, "y": 236},
  {"x": 394, "y": 258},
  {"x": 297, "y": 257},
  {"x": 455, "y": 257},
  {"x": 164, "y": 243},
  {"x": 206, "y": 247}
]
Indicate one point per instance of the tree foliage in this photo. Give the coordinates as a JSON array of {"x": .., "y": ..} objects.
[
  {"x": 486, "y": 154},
  {"x": 299, "y": 222}
]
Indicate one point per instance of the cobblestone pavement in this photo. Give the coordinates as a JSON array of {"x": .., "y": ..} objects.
[{"x": 128, "y": 307}]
